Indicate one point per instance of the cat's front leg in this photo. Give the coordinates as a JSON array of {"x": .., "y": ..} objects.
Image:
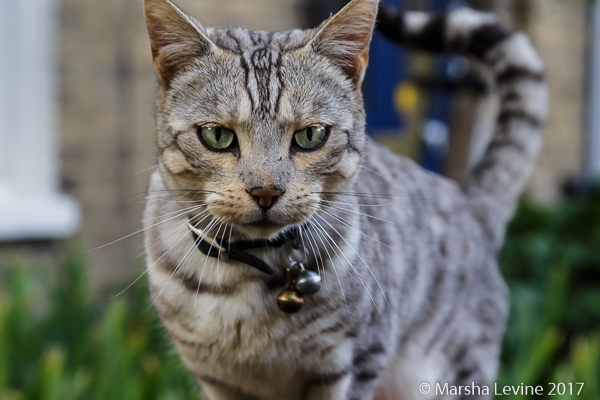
[
  {"x": 349, "y": 388},
  {"x": 336, "y": 388},
  {"x": 214, "y": 390},
  {"x": 324, "y": 390}
]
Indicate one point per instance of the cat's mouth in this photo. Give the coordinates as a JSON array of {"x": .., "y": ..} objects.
[{"x": 252, "y": 223}]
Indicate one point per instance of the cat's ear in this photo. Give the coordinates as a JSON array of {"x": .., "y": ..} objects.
[
  {"x": 345, "y": 37},
  {"x": 175, "y": 38}
]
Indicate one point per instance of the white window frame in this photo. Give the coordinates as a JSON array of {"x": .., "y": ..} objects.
[
  {"x": 591, "y": 150},
  {"x": 31, "y": 205}
]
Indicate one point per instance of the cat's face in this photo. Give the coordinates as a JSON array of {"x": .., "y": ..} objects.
[{"x": 261, "y": 127}]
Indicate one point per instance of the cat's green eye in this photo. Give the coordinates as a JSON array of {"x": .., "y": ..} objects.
[
  {"x": 311, "y": 137},
  {"x": 216, "y": 137}
]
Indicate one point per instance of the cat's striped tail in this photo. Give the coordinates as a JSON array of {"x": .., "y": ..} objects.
[{"x": 494, "y": 184}]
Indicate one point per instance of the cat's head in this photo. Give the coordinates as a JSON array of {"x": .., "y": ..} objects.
[{"x": 263, "y": 127}]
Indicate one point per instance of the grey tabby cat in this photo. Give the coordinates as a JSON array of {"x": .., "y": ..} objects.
[{"x": 261, "y": 138}]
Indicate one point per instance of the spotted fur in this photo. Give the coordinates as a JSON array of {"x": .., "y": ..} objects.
[{"x": 411, "y": 288}]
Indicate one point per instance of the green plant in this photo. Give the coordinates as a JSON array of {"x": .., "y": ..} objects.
[
  {"x": 57, "y": 343},
  {"x": 551, "y": 261}
]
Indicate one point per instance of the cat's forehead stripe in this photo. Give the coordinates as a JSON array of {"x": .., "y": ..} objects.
[
  {"x": 261, "y": 60},
  {"x": 260, "y": 55}
]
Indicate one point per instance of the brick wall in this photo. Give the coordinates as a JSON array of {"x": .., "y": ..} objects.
[{"x": 559, "y": 30}]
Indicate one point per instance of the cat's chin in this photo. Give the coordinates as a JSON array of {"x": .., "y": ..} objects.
[{"x": 260, "y": 230}]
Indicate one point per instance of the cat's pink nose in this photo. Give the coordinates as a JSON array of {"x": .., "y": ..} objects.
[{"x": 265, "y": 197}]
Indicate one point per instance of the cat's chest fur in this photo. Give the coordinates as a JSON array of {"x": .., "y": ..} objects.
[{"x": 223, "y": 316}]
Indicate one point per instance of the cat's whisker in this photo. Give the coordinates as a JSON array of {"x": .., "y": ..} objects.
[
  {"x": 187, "y": 264},
  {"x": 334, "y": 270},
  {"x": 359, "y": 256},
  {"x": 170, "y": 195},
  {"x": 182, "y": 190},
  {"x": 189, "y": 253},
  {"x": 144, "y": 170},
  {"x": 196, "y": 243},
  {"x": 314, "y": 249},
  {"x": 145, "y": 194},
  {"x": 177, "y": 268},
  {"x": 177, "y": 201},
  {"x": 136, "y": 232},
  {"x": 318, "y": 253},
  {"x": 189, "y": 209},
  {"x": 356, "y": 204},
  {"x": 176, "y": 193},
  {"x": 187, "y": 257},
  {"x": 349, "y": 245},
  {"x": 205, "y": 213},
  {"x": 163, "y": 255},
  {"x": 337, "y": 208},
  {"x": 320, "y": 230},
  {"x": 394, "y": 197},
  {"x": 229, "y": 241},
  {"x": 373, "y": 171},
  {"x": 352, "y": 271},
  {"x": 348, "y": 210},
  {"x": 346, "y": 223},
  {"x": 304, "y": 249},
  {"x": 221, "y": 247},
  {"x": 267, "y": 248},
  {"x": 153, "y": 264},
  {"x": 207, "y": 230},
  {"x": 219, "y": 255},
  {"x": 365, "y": 195}
]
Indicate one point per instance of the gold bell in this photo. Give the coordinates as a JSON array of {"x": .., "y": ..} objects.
[{"x": 290, "y": 301}]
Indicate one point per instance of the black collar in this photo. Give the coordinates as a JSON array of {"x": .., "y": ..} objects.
[{"x": 225, "y": 250}]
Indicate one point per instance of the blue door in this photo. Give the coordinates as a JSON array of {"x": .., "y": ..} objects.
[{"x": 385, "y": 79}]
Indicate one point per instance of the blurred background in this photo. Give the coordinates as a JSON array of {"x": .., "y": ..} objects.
[{"x": 77, "y": 147}]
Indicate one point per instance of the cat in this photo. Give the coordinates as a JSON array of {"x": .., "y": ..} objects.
[{"x": 262, "y": 147}]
